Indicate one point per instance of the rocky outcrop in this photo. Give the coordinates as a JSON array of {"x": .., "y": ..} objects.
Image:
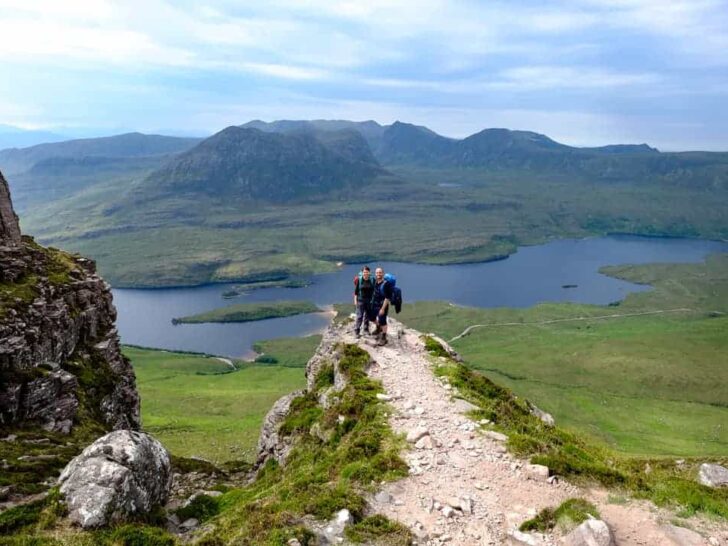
[
  {"x": 59, "y": 348},
  {"x": 9, "y": 228},
  {"x": 271, "y": 444},
  {"x": 119, "y": 477}
]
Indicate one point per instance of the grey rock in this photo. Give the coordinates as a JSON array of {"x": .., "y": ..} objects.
[
  {"x": 537, "y": 471},
  {"x": 680, "y": 536},
  {"x": 463, "y": 406},
  {"x": 416, "y": 433},
  {"x": 713, "y": 475},
  {"x": 592, "y": 532},
  {"x": 547, "y": 418},
  {"x": 383, "y": 497},
  {"x": 519, "y": 538},
  {"x": 270, "y": 443},
  {"x": 120, "y": 475},
  {"x": 494, "y": 435},
  {"x": 189, "y": 525}
]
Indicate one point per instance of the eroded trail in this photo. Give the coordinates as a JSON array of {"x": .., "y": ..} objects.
[{"x": 464, "y": 488}]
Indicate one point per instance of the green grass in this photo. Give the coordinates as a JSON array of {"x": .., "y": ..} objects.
[
  {"x": 320, "y": 477},
  {"x": 248, "y": 312},
  {"x": 292, "y": 352},
  {"x": 580, "y": 459},
  {"x": 195, "y": 410},
  {"x": 567, "y": 515},
  {"x": 645, "y": 385}
]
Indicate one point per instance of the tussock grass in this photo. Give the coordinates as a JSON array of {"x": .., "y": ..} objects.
[{"x": 567, "y": 515}]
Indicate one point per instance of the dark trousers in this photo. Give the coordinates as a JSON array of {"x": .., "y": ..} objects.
[{"x": 362, "y": 316}]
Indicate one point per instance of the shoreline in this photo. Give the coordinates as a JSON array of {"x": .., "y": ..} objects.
[{"x": 494, "y": 258}]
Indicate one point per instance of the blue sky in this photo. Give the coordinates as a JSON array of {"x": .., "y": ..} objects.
[{"x": 585, "y": 72}]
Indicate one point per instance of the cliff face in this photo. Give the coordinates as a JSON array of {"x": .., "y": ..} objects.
[
  {"x": 60, "y": 362},
  {"x": 9, "y": 228}
]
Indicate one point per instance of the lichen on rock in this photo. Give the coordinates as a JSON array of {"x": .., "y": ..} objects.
[{"x": 119, "y": 477}]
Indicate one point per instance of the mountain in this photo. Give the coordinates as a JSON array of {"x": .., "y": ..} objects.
[
  {"x": 18, "y": 160},
  {"x": 253, "y": 164},
  {"x": 370, "y": 130},
  {"x": 15, "y": 137}
]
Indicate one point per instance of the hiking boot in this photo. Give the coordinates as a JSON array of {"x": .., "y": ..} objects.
[
  {"x": 377, "y": 331},
  {"x": 382, "y": 340},
  {"x": 357, "y": 335}
]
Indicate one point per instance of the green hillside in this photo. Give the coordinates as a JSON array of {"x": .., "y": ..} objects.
[{"x": 647, "y": 384}]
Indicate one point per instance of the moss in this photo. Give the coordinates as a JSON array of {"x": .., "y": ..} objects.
[
  {"x": 568, "y": 515},
  {"x": 185, "y": 465},
  {"x": 136, "y": 535},
  {"x": 380, "y": 530},
  {"x": 304, "y": 412},
  {"x": 434, "y": 347},
  {"x": 18, "y": 517},
  {"x": 325, "y": 378},
  {"x": 202, "y": 508}
]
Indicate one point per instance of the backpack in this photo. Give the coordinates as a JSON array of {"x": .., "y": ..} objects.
[{"x": 396, "y": 292}]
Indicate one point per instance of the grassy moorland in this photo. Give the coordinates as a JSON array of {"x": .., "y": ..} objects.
[
  {"x": 427, "y": 216},
  {"x": 198, "y": 406},
  {"x": 248, "y": 312},
  {"x": 646, "y": 384}
]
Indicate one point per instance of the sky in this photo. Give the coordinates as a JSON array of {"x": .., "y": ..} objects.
[{"x": 584, "y": 72}]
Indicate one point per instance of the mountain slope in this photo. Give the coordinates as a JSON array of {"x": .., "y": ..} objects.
[
  {"x": 249, "y": 163},
  {"x": 14, "y": 160}
]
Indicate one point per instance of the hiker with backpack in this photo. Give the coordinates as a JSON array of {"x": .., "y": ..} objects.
[
  {"x": 383, "y": 294},
  {"x": 363, "y": 295}
]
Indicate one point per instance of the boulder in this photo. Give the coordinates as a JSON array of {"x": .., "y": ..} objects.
[
  {"x": 713, "y": 475},
  {"x": 122, "y": 475},
  {"x": 592, "y": 532}
]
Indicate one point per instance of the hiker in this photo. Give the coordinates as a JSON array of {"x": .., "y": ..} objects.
[
  {"x": 380, "y": 304},
  {"x": 363, "y": 294}
]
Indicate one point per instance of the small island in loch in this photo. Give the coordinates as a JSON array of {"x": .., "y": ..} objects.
[{"x": 247, "y": 312}]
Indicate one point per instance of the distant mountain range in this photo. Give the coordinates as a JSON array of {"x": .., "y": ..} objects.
[
  {"x": 298, "y": 196},
  {"x": 406, "y": 145},
  {"x": 17, "y": 137},
  {"x": 19, "y": 160}
]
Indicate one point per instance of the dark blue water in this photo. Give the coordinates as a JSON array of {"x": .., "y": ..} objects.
[{"x": 532, "y": 275}]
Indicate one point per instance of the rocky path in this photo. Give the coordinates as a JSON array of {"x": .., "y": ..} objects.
[{"x": 464, "y": 488}]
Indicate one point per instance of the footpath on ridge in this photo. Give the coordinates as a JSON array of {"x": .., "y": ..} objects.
[{"x": 464, "y": 487}]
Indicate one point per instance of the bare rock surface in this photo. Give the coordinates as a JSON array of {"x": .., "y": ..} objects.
[
  {"x": 592, "y": 532},
  {"x": 120, "y": 476},
  {"x": 464, "y": 487}
]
